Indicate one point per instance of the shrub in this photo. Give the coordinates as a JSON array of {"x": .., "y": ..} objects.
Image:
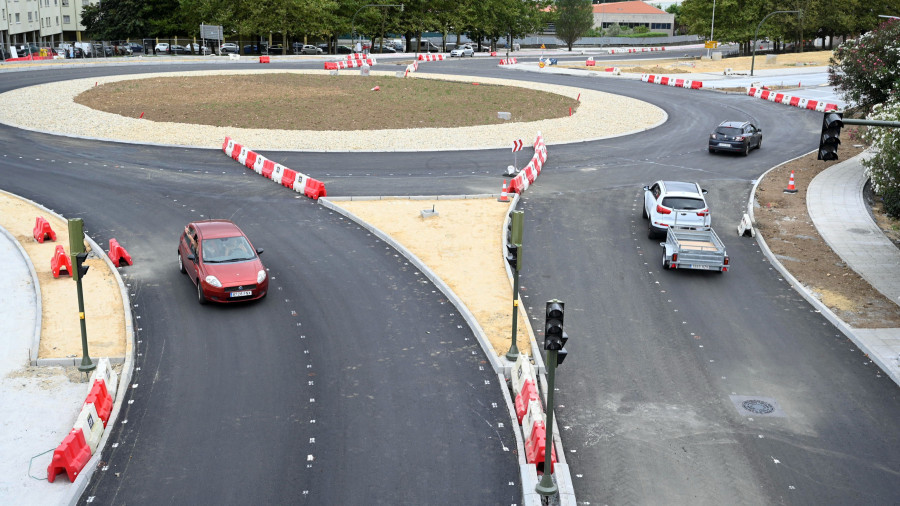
[
  {"x": 884, "y": 166},
  {"x": 865, "y": 69}
]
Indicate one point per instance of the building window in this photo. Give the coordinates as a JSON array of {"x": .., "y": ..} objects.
[
  {"x": 65, "y": 19},
  {"x": 57, "y": 20},
  {"x": 17, "y": 18},
  {"x": 29, "y": 17},
  {"x": 65, "y": 3}
]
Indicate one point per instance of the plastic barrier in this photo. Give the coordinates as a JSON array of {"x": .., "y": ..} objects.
[
  {"x": 508, "y": 61},
  {"x": 258, "y": 164},
  {"x": 263, "y": 59},
  {"x": 315, "y": 189},
  {"x": 91, "y": 426},
  {"x": 287, "y": 179},
  {"x": 117, "y": 253},
  {"x": 70, "y": 456},
  {"x": 236, "y": 151},
  {"x": 536, "y": 447},
  {"x": 812, "y": 104},
  {"x": 99, "y": 397},
  {"x": 242, "y": 155},
  {"x": 528, "y": 394},
  {"x": 534, "y": 413},
  {"x": 59, "y": 261},
  {"x": 590, "y": 63},
  {"x": 228, "y": 145},
  {"x": 330, "y": 65},
  {"x": 431, "y": 57},
  {"x": 268, "y": 167},
  {"x": 251, "y": 159},
  {"x": 299, "y": 183},
  {"x": 522, "y": 371},
  {"x": 277, "y": 173},
  {"x": 42, "y": 230},
  {"x": 105, "y": 372}
]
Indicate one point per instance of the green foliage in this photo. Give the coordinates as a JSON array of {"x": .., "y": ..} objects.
[
  {"x": 640, "y": 30},
  {"x": 866, "y": 70},
  {"x": 115, "y": 19},
  {"x": 573, "y": 19},
  {"x": 884, "y": 164}
]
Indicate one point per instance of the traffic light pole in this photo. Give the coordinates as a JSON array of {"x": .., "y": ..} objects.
[
  {"x": 76, "y": 248},
  {"x": 871, "y": 122},
  {"x": 513, "y": 354},
  {"x": 514, "y": 258},
  {"x": 546, "y": 487}
]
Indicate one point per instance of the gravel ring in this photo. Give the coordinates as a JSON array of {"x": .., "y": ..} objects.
[{"x": 600, "y": 116}]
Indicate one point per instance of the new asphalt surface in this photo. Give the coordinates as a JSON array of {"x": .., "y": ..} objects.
[{"x": 660, "y": 411}]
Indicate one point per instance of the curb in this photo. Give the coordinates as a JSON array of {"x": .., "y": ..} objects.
[
  {"x": 806, "y": 294},
  {"x": 38, "y": 310}
]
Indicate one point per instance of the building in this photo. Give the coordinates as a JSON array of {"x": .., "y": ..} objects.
[
  {"x": 45, "y": 23},
  {"x": 632, "y": 14}
]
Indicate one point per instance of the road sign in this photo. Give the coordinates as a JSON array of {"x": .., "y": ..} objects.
[
  {"x": 711, "y": 44},
  {"x": 517, "y": 145},
  {"x": 211, "y": 32}
]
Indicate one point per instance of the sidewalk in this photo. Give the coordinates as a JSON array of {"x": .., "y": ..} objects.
[{"x": 835, "y": 204}]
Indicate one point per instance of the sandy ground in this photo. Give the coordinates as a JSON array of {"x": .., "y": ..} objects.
[
  {"x": 463, "y": 246},
  {"x": 60, "y": 325},
  {"x": 674, "y": 65}
]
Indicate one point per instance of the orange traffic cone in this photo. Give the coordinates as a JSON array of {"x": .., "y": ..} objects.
[
  {"x": 791, "y": 188},
  {"x": 504, "y": 196}
]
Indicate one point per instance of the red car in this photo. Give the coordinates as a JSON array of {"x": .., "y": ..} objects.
[{"x": 222, "y": 262}]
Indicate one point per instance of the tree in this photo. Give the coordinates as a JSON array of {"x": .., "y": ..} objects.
[
  {"x": 116, "y": 19},
  {"x": 865, "y": 69},
  {"x": 884, "y": 164},
  {"x": 573, "y": 19}
]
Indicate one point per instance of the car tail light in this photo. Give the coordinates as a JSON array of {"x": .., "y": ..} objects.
[
  {"x": 663, "y": 210},
  {"x": 704, "y": 212},
  {"x": 726, "y": 260},
  {"x": 674, "y": 258}
]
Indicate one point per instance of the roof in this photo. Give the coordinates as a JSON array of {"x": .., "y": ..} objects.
[
  {"x": 680, "y": 187},
  {"x": 211, "y": 229},
  {"x": 733, "y": 124},
  {"x": 635, "y": 7}
]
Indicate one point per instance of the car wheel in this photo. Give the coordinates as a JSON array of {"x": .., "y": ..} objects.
[
  {"x": 181, "y": 264},
  {"x": 711, "y": 150},
  {"x": 746, "y": 149},
  {"x": 650, "y": 232},
  {"x": 759, "y": 144},
  {"x": 643, "y": 213},
  {"x": 200, "y": 297}
]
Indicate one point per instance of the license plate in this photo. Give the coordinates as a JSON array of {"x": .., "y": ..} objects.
[
  {"x": 241, "y": 294},
  {"x": 724, "y": 145},
  {"x": 699, "y": 267}
]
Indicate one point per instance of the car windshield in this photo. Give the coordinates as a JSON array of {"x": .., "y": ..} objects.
[
  {"x": 227, "y": 249},
  {"x": 683, "y": 203},
  {"x": 729, "y": 131}
]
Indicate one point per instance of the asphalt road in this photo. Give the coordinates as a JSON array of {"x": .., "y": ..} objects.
[{"x": 649, "y": 398}]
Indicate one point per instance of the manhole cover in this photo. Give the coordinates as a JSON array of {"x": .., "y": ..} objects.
[{"x": 757, "y": 406}]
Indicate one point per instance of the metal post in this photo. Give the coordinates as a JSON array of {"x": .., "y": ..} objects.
[
  {"x": 86, "y": 364},
  {"x": 546, "y": 487},
  {"x": 76, "y": 246},
  {"x": 513, "y": 352},
  {"x": 712, "y": 27}
]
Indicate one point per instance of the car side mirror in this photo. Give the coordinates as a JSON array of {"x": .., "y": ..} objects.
[
  {"x": 259, "y": 251},
  {"x": 646, "y": 188},
  {"x": 704, "y": 191},
  {"x": 192, "y": 257}
]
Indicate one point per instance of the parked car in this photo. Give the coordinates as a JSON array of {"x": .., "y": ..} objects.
[
  {"x": 196, "y": 49},
  {"x": 123, "y": 49},
  {"x": 162, "y": 47},
  {"x": 737, "y": 136},
  {"x": 229, "y": 48},
  {"x": 671, "y": 203},
  {"x": 275, "y": 49},
  {"x": 310, "y": 49},
  {"x": 135, "y": 47},
  {"x": 462, "y": 51},
  {"x": 177, "y": 49},
  {"x": 222, "y": 262},
  {"x": 344, "y": 50},
  {"x": 324, "y": 47},
  {"x": 101, "y": 50},
  {"x": 376, "y": 49}
]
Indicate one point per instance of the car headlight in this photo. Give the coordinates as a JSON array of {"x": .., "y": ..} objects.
[
  {"x": 260, "y": 276},
  {"x": 212, "y": 280}
]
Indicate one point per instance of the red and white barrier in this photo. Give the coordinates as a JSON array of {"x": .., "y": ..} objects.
[
  {"x": 671, "y": 81},
  {"x": 781, "y": 98},
  {"x": 431, "y": 57},
  {"x": 620, "y": 50},
  {"x": 529, "y": 174},
  {"x": 508, "y": 61},
  {"x": 289, "y": 178}
]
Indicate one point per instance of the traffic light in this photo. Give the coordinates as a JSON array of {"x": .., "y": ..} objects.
[
  {"x": 831, "y": 135},
  {"x": 514, "y": 240},
  {"x": 554, "y": 336},
  {"x": 80, "y": 268}
]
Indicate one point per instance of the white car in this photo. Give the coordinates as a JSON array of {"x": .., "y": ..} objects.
[
  {"x": 162, "y": 47},
  {"x": 230, "y": 47},
  {"x": 196, "y": 49},
  {"x": 675, "y": 203},
  {"x": 310, "y": 49},
  {"x": 463, "y": 51}
]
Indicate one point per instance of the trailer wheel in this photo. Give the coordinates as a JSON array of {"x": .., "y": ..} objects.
[{"x": 664, "y": 263}]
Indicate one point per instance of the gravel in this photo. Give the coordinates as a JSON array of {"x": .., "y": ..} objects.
[{"x": 601, "y": 115}]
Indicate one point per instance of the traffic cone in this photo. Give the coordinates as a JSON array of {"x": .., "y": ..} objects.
[
  {"x": 791, "y": 188},
  {"x": 504, "y": 196}
]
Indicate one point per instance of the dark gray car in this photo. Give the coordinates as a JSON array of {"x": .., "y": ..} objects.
[{"x": 735, "y": 136}]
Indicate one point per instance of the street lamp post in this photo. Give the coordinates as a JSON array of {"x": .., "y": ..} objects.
[
  {"x": 756, "y": 35},
  {"x": 353, "y": 19},
  {"x": 712, "y": 27}
]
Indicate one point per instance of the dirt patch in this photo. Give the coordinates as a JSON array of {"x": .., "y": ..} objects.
[
  {"x": 738, "y": 64},
  {"x": 784, "y": 222},
  {"x": 322, "y": 102},
  {"x": 60, "y": 325}
]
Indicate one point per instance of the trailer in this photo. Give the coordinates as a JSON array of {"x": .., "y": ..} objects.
[{"x": 694, "y": 249}]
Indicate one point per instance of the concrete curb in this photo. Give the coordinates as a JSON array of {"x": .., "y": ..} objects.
[
  {"x": 36, "y": 337},
  {"x": 806, "y": 294}
]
